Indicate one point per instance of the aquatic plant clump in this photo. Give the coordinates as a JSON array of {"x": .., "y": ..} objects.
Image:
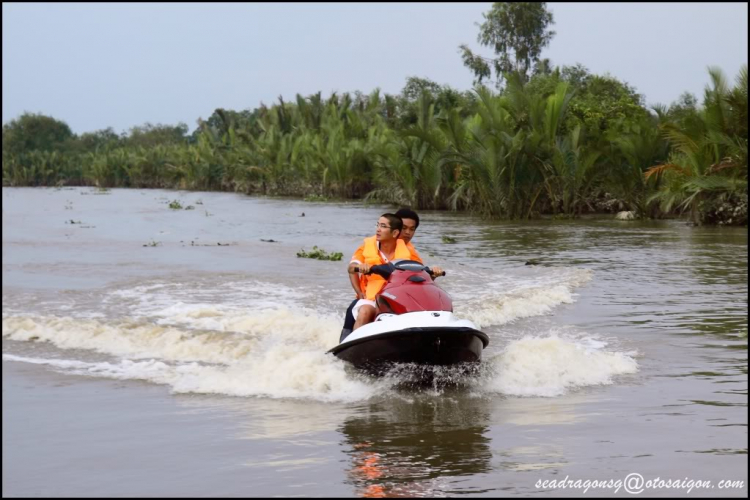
[
  {"x": 316, "y": 197},
  {"x": 320, "y": 254}
]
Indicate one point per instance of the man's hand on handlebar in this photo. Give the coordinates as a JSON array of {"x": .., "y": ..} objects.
[
  {"x": 356, "y": 267},
  {"x": 437, "y": 271},
  {"x": 364, "y": 268}
]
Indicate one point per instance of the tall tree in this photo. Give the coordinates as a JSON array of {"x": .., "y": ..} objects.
[
  {"x": 511, "y": 29},
  {"x": 30, "y": 132}
]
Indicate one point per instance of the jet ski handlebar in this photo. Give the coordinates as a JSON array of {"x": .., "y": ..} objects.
[{"x": 385, "y": 270}]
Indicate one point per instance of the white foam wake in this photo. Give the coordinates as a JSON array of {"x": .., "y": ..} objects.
[
  {"x": 503, "y": 300},
  {"x": 276, "y": 353},
  {"x": 551, "y": 366},
  {"x": 281, "y": 375},
  {"x": 504, "y": 308},
  {"x": 281, "y": 352},
  {"x": 234, "y": 337}
]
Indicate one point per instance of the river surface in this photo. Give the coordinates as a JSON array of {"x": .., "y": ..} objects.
[{"x": 152, "y": 351}]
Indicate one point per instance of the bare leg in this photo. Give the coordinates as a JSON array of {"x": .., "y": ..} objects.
[{"x": 365, "y": 315}]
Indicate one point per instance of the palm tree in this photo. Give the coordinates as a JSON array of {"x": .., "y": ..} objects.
[
  {"x": 409, "y": 169},
  {"x": 574, "y": 167},
  {"x": 481, "y": 153},
  {"x": 634, "y": 153},
  {"x": 709, "y": 157}
]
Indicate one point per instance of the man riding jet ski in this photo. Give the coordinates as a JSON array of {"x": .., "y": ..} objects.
[{"x": 414, "y": 323}]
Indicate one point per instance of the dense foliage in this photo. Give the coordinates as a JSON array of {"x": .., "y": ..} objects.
[{"x": 560, "y": 141}]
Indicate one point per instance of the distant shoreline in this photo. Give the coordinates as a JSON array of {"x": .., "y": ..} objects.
[{"x": 313, "y": 198}]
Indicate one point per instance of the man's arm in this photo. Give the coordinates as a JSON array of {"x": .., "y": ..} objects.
[
  {"x": 357, "y": 259},
  {"x": 354, "y": 279}
]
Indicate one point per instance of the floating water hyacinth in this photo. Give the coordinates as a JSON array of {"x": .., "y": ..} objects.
[
  {"x": 320, "y": 254},
  {"x": 316, "y": 197}
]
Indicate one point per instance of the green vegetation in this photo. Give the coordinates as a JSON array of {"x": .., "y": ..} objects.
[
  {"x": 448, "y": 239},
  {"x": 553, "y": 141},
  {"x": 320, "y": 254},
  {"x": 316, "y": 197},
  {"x": 176, "y": 205}
]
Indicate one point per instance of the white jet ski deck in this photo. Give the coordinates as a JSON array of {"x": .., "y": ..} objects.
[{"x": 415, "y": 324}]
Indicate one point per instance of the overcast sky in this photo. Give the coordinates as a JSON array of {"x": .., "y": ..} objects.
[{"x": 122, "y": 65}]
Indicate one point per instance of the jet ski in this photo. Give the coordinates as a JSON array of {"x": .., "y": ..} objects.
[{"x": 414, "y": 324}]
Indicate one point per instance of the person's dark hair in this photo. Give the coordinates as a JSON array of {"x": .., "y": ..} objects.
[
  {"x": 395, "y": 222},
  {"x": 408, "y": 213}
]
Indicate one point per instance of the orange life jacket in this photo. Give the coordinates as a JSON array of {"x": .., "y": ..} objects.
[
  {"x": 372, "y": 283},
  {"x": 414, "y": 255}
]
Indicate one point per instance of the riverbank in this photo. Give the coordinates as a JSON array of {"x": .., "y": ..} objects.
[{"x": 731, "y": 212}]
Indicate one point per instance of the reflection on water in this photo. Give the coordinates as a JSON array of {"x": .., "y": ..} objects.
[{"x": 417, "y": 446}]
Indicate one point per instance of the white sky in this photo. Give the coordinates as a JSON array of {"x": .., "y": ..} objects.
[{"x": 122, "y": 65}]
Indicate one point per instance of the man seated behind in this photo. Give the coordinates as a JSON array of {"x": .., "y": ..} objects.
[
  {"x": 410, "y": 220},
  {"x": 382, "y": 248}
]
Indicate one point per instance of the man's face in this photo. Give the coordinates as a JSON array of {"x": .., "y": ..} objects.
[
  {"x": 384, "y": 231},
  {"x": 410, "y": 227}
]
